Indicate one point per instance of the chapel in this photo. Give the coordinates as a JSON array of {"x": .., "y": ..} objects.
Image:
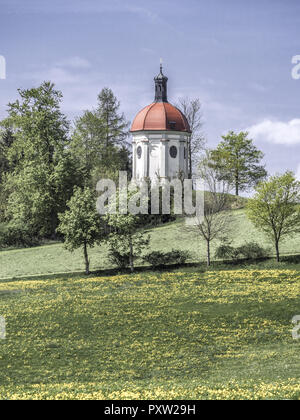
[{"x": 160, "y": 134}]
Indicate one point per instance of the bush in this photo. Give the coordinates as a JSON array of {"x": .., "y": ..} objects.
[
  {"x": 179, "y": 257},
  {"x": 225, "y": 252},
  {"x": 17, "y": 236},
  {"x": 156, "y": 258},
  {"x": 249, "y": 250},
  {"x": 118, "y": 258},
  {"x": 123, "y": 247},
  {"x": 252, "y": 250},
  {"x": 159, "y": 258}
]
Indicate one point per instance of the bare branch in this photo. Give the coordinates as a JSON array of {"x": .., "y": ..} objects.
[{"x": 192, "y": 109}]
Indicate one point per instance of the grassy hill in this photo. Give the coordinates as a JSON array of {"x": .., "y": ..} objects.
[
  {"x": 176, "y": 335},
  {"x": 53, "y": 258}
]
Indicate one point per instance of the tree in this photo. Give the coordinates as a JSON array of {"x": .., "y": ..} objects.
[
  {"x": 42, "y": 172},
  {"x": 115, "y": 126},
  {"x": 191, "y": 108},
  {"x": 99, "y": 139},
  {"x": 237, "y": 161},
  {"x": 274, "y": 209},
  {"x": 215, "y": 221},
  {"x": 81, "y": 225},
  {"x": 86, "y": 145},
  {"x": 127, "y": 239},
  {"x": 37, "y": 193},
  {"x": 6, "y": 141},
  {"x": 40, "y": 128}
]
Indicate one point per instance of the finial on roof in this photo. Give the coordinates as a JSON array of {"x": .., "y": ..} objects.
[{"x": 160, "y": 61}]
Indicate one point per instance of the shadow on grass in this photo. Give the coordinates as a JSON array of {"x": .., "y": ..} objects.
[
  {"x": 293, "y": 259},
  {"x": 198, "y": 266},
  {"x": 103, "y": 273}
]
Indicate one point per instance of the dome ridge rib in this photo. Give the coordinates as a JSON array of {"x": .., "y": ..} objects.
[
  {"x": 183, "y": 117},
  {"x": 166, "y": 118},
  {"x": 149, "y": 108}
]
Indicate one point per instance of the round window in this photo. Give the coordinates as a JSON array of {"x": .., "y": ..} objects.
[
  {"x": 173, "y": 151},
  {"x": 139, "y": 152}
]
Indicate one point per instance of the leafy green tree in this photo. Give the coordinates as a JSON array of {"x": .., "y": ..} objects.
[
  {"x": 37, "y": 193},
  {"x": 114, "y": 124},
  {"x": 81, "y": 225},
  {"x": 127, "y": 239},
  {"x": 6, "y": 141},
  {"x": 237, "y": 161},
  {"x": 41, "y": 130},
  {"x": 86, "y": 144},
  {"x": 126, "y": 246},
  {"x": 99, "y": 140},
  {"x": 43, "y": 172},
  {"x": 275, "y": 208}
]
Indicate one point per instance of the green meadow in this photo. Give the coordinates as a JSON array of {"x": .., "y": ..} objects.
[
  {"x": 179, "y": 333},
  {"x": 185, "y": 334},
  {"x": 52, "y": 258}
]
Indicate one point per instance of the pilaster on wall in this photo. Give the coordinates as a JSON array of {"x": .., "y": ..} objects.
[
  {"x": 133, "y": 159},
  {"x": 182, "y": 144},
  {"x": 164, "y": 157},
  {"x": 187, "y": 155},
  {"x": 145, "y": 157}
]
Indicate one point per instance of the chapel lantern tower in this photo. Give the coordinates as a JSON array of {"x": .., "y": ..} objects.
[{"x": 160, "y": 87}]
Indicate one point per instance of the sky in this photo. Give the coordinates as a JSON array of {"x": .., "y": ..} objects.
[{"x": 234, "y": 55}]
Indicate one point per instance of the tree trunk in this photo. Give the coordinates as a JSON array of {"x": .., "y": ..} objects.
[
  {"x": 86, "y": 258},
  {"x": 236, "y": 188},
  {"x": 131, "y": 256},
  {"x": 190, "y": 159},
  {"x": 277, "y": 250},
  {"x": 107, "y": 130},
  {"x": 208, "y": 253},
  {"x": 236, "y": 181}
]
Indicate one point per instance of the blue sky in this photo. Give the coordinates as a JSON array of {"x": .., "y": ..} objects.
[{"x": 235, "y": 55}]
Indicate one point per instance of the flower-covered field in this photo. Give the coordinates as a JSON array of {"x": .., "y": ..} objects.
[{"x": 169, "y": 335}]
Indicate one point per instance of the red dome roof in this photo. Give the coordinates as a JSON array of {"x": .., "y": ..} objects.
[{"x": 160, "y": 116}]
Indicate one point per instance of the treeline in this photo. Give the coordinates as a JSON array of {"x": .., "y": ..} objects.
[
  {"x": 274, "y": 208},
  {"x": 49, "y": 170},
  {"x": 42, "y": 158}
]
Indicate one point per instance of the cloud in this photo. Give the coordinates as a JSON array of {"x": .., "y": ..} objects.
[
  {"x": 74, "y": 62},
  {"x": 55, "y": 74},
  {"x": 258, "y": 87},
  {"x": 146, "y": 13},
  {"x": 78, "y": 7},
  {"x": 148, "y": 51},
  {"x": 70, "y": 70},
  {"x": 276, "y": 132}
]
